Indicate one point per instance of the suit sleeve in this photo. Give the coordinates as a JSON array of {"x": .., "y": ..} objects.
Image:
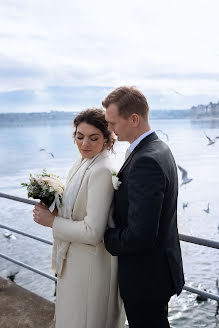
[
  {"x": 146, "y": 187},
  {"x": 90, "y": 230}
]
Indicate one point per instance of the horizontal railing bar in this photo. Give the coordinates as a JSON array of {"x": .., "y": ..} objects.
[
  {"x": 187, "y": 288},
  {"x": 186, "y": 238},
  {"x": 202, "y": 293},
  {"x": 199, "y": 241},
  {"x": 28, "y": 267},
  {"x": 18, "y": 199},
  {"x": 26, "y": 234},
  {"x": 190, "y": 239}
]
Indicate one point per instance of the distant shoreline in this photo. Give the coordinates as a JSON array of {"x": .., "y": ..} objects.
[
  {"x": 205, "y": 119},
  {"x": 57, "y": 117},
  {"x": 69, "y": 123}
]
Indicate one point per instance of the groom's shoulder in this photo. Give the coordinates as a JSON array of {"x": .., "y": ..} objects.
[
  {"x": 153, "y": 149},
  {"x": 154, "y": 152}
]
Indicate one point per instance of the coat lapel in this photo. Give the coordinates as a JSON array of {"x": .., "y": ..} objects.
[
  {"x": 74, "y": 169},
  {"x": 151, "y": 137},
  {"x": 78, "y": 163}
]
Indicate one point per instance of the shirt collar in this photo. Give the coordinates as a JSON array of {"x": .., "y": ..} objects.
[{"x": 138, "y": 140}]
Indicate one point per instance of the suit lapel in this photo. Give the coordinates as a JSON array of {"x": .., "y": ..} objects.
[{"x": 151, "y": 137}]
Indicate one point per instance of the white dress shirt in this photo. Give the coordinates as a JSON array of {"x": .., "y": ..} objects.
[{"x": 136, "y": 142}]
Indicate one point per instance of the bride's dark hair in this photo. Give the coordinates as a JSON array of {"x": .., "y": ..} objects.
[{"x": 96, "y": 117}]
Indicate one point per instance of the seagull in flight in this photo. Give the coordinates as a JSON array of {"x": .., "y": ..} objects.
[
  {"x": 11, "y": 276},
  {"x": 9, "y": 235},
  {"x": 165, "y": 134},
  {"x": 207, "y": 210},
  {"x": 185, "y": 205},
  {"x": 51, "y": 154},
  {"x": 211, "y": 141},
  {"x": 184, "y": 175},
  {"x": 178, "y": 93}
]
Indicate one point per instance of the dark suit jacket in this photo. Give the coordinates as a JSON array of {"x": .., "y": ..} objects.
[{"x": 145, "y": 237}]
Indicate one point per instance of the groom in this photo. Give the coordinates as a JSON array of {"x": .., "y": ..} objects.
[{"x": 145, "y": 237}]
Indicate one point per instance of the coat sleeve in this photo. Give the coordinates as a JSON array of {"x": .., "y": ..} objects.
[
  {"x": 146, "y": 187},
  {"x": 90, "y": 230}
]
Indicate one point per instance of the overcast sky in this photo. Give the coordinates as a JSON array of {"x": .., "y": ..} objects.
[{"x": 67, "y": 55}]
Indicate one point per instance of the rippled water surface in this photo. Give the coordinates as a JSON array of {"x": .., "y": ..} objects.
[{"x": 20, "y": 155}]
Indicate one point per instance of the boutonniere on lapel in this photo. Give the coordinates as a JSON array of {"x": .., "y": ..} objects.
[{"x": 115, "y": 180}]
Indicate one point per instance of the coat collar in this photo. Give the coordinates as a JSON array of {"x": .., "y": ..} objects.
[
  {"x": 79, "y": 163},
  {"x": 153, "y": 136}
]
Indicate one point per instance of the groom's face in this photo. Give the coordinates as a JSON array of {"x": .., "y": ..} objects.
[{"x": 118, "y": 124}]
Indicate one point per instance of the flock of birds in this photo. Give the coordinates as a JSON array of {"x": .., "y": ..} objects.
[
  {"x": 185, "y": 178},
  {"x": 185, "y": 181},
  {"x": 184, "y": 173}
]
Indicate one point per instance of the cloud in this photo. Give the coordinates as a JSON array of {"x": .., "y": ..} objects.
[
  {"x": 158, "y": 46},
  {"x": 53, "y": 98},
  {"x": 12, "y": 68}
]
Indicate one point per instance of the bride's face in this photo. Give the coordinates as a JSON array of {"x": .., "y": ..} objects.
[{"x": 89, "y": 139}]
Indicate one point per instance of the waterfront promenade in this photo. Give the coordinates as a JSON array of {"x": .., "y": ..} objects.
[{"x": 21, "y": 308}]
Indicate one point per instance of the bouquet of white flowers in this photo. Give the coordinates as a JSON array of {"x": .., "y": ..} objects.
[{"x": 46, "y": 187}]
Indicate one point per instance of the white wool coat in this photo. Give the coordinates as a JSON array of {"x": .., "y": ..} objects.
[{"x": 87, "y": 291}]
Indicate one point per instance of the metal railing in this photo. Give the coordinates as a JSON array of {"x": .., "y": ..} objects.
[
  {"x": 199, "y": 241},
  {"x": 27, "y": 267},
  {"x": 26, "y": 234},
  {"x": 185, "y": 238}
]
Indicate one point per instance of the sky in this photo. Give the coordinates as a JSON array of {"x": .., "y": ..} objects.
[{"x": 68, "y": 55}]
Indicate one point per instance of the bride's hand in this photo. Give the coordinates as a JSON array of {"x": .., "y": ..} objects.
[
  {"x": 55, "y": 212},
  {"x": 43, "y": 216}
]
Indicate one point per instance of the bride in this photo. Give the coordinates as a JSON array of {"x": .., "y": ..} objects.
[{"x": 87, "y": 286}]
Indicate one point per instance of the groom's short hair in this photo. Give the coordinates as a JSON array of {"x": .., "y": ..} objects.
[{"x": 129, "y": 100}]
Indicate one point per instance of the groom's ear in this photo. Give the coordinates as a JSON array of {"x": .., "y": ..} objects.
[{"x": 134, "y": 120}]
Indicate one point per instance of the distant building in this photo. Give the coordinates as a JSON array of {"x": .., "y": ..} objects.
[{"x": 202, "y": 111}]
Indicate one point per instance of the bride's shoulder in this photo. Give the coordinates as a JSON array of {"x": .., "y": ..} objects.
[
  {"x": 103, "y": 163},
  {"x": 101, "y": 172}
]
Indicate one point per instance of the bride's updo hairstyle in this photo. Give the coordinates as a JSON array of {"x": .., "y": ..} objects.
[{"x": 96, "y": 117}]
